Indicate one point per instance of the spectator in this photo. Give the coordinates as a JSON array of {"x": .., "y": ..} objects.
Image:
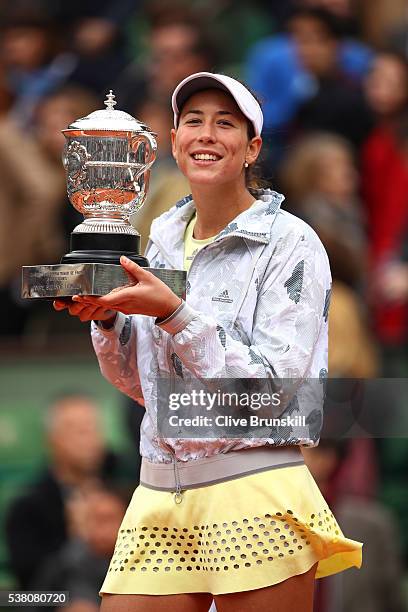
[
  {"x": 36, "y": 525},
  {"x": 96, "y": 32},
  {"x": 384, "y": 188},
  {"x": 276, "y": 72},
  {"x": 320, "y": 179},
  {"x": 335, "y": 102},
  {"x": 177, "y": 46},
  {"x": 81, "y": 565},
  {"x": 35, "y": 62}
]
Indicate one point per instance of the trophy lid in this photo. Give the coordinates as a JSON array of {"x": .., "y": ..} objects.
[{"x": 108, "y": 120}]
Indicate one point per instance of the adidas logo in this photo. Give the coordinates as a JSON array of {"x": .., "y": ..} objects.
[{"x": 223, "y": 297}]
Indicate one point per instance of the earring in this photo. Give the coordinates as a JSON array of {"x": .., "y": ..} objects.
[{"x": 246, "y": 165}]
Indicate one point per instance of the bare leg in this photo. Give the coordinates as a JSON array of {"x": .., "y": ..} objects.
[
  {"x": 295, "y": 593},
  {"x": 186, "y": 602}
]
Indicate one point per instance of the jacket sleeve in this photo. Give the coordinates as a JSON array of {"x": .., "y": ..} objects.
[
  {"x": 116, "y": 350},
  {"x": 290, "y": 318}
]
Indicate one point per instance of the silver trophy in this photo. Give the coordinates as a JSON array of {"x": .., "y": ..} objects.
[{"x": 107, "y": 159}]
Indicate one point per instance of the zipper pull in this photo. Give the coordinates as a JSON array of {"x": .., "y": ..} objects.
[{"x": 178, "y": 496}]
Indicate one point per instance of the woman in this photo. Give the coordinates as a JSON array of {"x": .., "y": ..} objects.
[
  {"x": 320, "y": 182},
  {"x": 239, "y": 519},
  {"x": 384, "y": 163}
]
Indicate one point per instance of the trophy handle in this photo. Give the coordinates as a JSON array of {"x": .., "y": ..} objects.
[
  {"x": 146, "y": 165},
  {"x": 153, "y": 148}
]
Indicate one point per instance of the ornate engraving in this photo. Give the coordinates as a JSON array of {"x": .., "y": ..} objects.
[{"x": 75, "y": 163}]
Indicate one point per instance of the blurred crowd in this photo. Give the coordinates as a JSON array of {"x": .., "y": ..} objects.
[
  {"x": 332, "y": 77},
  {"x": 62, "y": 529}
]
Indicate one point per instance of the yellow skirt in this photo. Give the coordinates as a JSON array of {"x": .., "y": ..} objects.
[{"x": 242, "y": 534}]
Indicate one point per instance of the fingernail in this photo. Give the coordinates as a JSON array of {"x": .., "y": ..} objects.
[{"x": 125, "y": 259}]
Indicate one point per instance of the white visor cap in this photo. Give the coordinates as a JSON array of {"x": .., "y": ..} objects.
[{"x": 207, "y": 80}]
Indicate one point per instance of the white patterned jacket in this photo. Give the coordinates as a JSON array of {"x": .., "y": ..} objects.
[{"x": 256, "y": 307}]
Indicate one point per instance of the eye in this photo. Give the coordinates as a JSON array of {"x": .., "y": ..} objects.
[
  {"x": 193, "y": 120},
  {"x": 225, "y": 122}
]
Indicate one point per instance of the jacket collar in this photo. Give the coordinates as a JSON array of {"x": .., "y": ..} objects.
[{"x": 254, "y": 224}]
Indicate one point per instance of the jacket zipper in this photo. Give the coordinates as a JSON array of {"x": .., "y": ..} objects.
[{"x": 177, "y": 494}]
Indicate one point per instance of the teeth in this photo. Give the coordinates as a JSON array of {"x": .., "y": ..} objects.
[{"x": 205, "y": 156}]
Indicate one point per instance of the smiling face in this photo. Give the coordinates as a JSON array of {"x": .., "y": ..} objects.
[{"x": 211, "y": 143}]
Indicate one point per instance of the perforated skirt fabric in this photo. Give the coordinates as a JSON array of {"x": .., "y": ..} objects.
[{"x": 242, "y": 534}]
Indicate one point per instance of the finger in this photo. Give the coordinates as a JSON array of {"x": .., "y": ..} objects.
[
  {"x": 133, "y": 269},
  {"x": 88, "y": 314},
  {"x": 59, "y": 305},
  {"x": 76, "y": 309},
  {"x": 87, "y": 299}
]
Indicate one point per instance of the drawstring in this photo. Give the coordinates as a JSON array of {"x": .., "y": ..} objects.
[{"x": 178, "y": 497}]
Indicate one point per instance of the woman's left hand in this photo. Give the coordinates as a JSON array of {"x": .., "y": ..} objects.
[{"x": 147, "y": 296}]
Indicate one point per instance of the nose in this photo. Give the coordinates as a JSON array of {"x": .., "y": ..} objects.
[{"x": 207, "y": 132}]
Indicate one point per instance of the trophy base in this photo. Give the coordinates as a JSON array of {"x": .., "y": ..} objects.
[
  {"x": 88, "y": 247},
  {"x": 67, "y": 279},
  {"x": 104, "y": 257}
]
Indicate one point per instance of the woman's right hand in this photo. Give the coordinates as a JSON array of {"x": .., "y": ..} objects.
[{"x": 86, "y": 312}]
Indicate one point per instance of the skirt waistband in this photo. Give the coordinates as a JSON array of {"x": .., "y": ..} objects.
[{"x": 210, "y": 470}]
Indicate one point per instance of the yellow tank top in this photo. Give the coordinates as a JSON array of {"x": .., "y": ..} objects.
[{"x": 191, "y": 244}]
